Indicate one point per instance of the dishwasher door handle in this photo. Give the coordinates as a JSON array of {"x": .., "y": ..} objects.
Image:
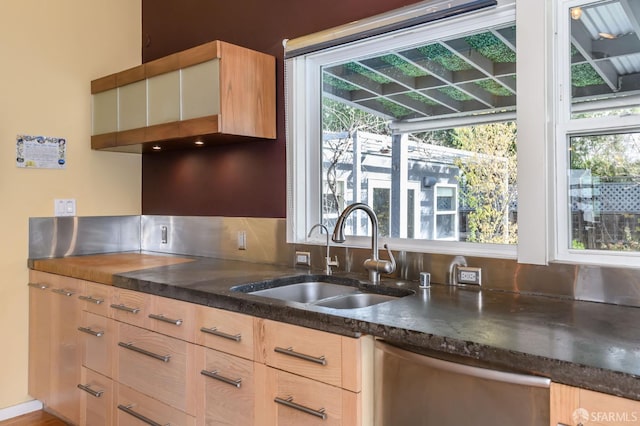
[{"x": 467, "y": 370}]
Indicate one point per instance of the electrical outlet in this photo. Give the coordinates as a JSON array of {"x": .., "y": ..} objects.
[
  {"x": 242, "y": 240},
  {"x": 64, "y": 207},
  {"x": 469, "y": 275},
  {"x": 303, "y": 258}
]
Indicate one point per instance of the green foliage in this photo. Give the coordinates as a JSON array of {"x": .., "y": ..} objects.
[
  {"x": 606, "y": 156},
  {"x": 336, "y": 82},
  {"x": 340, "y": 117},
  {"x": 491, "y": 47},
  {"x": 454, "y": 93},
  {"x": 418, "y": 97},
  {"x": 494, "y": 87},
  {"x": 440, "y": 54},
  {"x": 357, "y": 68},
  {"x": 584, "y": 75},
  {"x": 404, "y": 66},
  {"x": 394, "y": 109},
  {"x": 488, "y": 180}
]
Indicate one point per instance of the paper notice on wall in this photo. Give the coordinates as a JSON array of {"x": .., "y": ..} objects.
[{"x": 41, "y": 152}]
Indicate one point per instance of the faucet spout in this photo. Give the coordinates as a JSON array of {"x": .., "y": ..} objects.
[
  {"x": 374, "y": 265},
  {"x": 328, "y": 262}
]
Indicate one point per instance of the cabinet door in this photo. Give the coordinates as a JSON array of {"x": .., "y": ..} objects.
[
  {"x": 95, "y": 298},
  {"x": 65, "y": 347},
  {"x": 225, "y": 331},
  {"x": 573, "y": 406},
  {"x": 39, "y": 339},
  {"x": 130, "y": 306},
  {"x": 97, "y": 335},
  {"x": 309, "y": 353},
  {"x": 105, "y": 112},
  {"x": 172, "y": 317},
  {"x": 136, "y": 409},
  {"x": 164, "y": 98},
  {"x": 225, "y": 388},
  {"x": 297, "y": 400},
  {"x": 201, "y": 90},
  {"x": 132, "y": 106},
  {"x": 96, "y": 399},
  {"x": 156, "y": 365}
]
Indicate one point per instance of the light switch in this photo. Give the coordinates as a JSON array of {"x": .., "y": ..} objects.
[{"x": 64, "y": 207}]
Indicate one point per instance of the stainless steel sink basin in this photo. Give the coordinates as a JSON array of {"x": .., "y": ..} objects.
[
  {"x": 324, "y": 290},
  {"x": 307, "y": 292},
  {"x": 357, "y": 300}
]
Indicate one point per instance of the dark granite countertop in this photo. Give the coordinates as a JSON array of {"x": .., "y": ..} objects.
[{"x": 590, "y": 345}]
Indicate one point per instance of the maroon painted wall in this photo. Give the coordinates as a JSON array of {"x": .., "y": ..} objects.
[{"x": 248, "y": 178}]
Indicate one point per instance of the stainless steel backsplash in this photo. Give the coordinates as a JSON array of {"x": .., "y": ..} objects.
[{"x": 217, "y": 237}]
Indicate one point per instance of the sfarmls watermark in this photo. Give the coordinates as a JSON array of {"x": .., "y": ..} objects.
[{"x": 583, "y": 416}]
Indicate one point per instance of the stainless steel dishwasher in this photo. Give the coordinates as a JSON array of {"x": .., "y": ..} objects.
[{"x": 416, "y": 390}]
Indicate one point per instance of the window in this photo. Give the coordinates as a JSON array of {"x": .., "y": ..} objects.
[
  {"x": 598, "y": 131},
  {"x": 446, "y": 213},
  {"x": 419, "y": 124}
]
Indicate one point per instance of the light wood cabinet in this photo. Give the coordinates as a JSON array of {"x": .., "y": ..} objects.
[
  {"x": 97, "y": 337},
  {"x": 225, "y": 331},
  {"x": 96, "y": 399},
  {"x": 156, "y": 365},
  {"x": 134, "y": 408},
  {"x": 314, "y": 377},
  {"x": 206, "y": 92},
  {"x": 101, "y": 355},
  {"x": 226, "y": 389},
  {"x": 573, "y": 406},
  {"x": 60, "y": 316}
]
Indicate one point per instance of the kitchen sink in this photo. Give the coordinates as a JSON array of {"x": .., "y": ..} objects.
[
  {"x": 356, "y": 300},
  {"x": 307, "y": 292},
  {"x": 324, "y": 290}
]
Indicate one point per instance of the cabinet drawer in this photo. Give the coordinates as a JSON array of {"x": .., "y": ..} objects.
[
  {"x": 130, "y": 306},
  {"x": 156, "y": 365},
  {"x": 172, "y": 317},
  {"x": 97, "y": 335},
  {"x": 312, "y": 353},
  {"x": 133, "y": 407},
  {"x": 225, "y": 331},
  {"x": 226, "y": 386},
  {"x": 95, "y": 298},
  {"x": 96, "y": 399},
  {"x": 296, "y": 400}
]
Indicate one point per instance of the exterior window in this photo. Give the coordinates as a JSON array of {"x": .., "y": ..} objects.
[
  {"x": 419, "y": 125},
  {"x": 446, "y": 213},
  {"x": 599, "y": 210}
]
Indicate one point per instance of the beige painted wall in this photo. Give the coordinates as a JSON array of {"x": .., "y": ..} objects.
[{"x": 50, "y": 51}]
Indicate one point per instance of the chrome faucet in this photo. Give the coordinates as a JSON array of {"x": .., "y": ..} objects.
[
  {"x": 328, "y": 262},
  {"x": 374, "y": 265}
]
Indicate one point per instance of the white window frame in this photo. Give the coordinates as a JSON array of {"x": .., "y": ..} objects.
[
  {"x": 302, "y": 84},
  {"x": 437, "y": 212},
  {"x": 565, "y": 128}
]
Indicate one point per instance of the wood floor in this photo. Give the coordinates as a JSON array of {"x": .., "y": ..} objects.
[{"x": 37, "y": 418}]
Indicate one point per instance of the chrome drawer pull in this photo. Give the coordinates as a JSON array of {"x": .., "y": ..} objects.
[
  {"x": 214, "y": 375},
  {"x": 127, "y": 409},
  {"x": 38, "y": 286},
  {"x": 63, "y": 292},
  {"x": 91, "y": 299},
  {"x": 125, "y": 308},
  {"x": 289, "y": 351},
  {"x": 289, "y": 403},
  {"x": 215, "y": 332},
  {"x": 88, "y": 330},
  {"x": 165, "y": 319},
  {"x": 87, "y": 389},
  {"x": 163, "y": 358}
]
